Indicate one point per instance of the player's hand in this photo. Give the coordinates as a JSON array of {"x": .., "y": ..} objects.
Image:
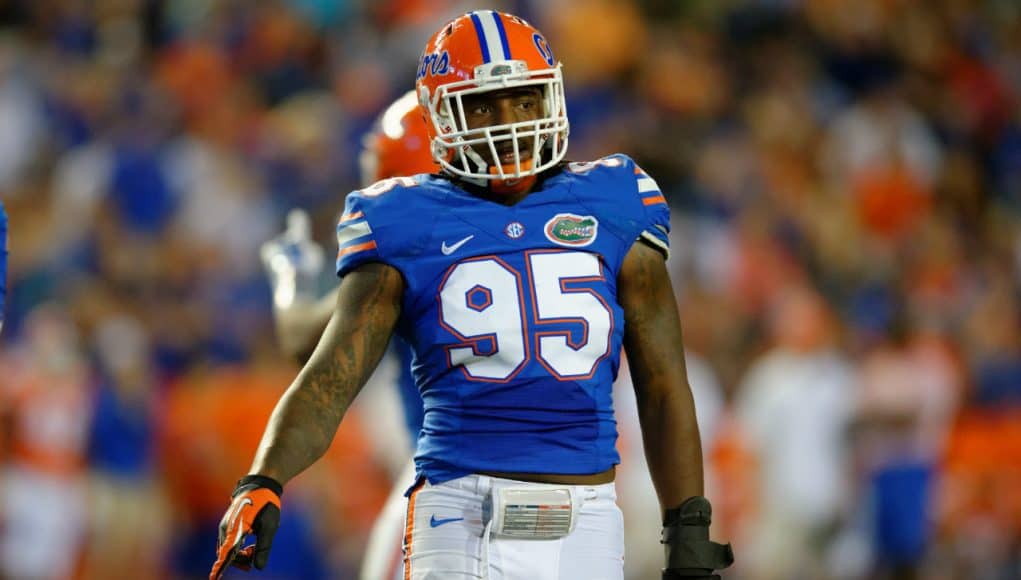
[
  {"x": 254, "y": 509},
  {"x": 690, "y": 554},
  {"x": 293, "y": 261}
]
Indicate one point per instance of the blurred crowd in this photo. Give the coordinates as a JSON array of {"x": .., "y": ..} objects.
[{"x": 845, "y": 178}]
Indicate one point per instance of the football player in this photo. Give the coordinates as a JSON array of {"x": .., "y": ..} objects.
[
  {"x": 517, "y": 279},
  {"x": 397, "y": 145}
]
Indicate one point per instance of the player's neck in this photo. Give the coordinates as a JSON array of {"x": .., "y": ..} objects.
[
  {"x": 508, "y": 195},
  {"x": 504, "y": 195}
]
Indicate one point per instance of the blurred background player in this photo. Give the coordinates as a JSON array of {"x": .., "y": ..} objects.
[
  {"x": 397, "y": 145},
  {"x": 798, "y": 395},
  {"x": 3, "y": 261},
  {"x": 44, "y": 418}
]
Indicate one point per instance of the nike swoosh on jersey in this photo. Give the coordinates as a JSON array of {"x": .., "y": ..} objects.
[
  {"x": 434, "y": 523},
  {"x": 447, "y": 250}
]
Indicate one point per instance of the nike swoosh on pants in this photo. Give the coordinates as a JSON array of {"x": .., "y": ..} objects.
[{"x": 433, "y": 522}]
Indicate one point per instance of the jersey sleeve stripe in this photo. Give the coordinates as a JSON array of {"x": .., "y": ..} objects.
[
  {"x": 653, "y": 200},
  {"x": 370, "y": 245},
  {"x": 352, "y": 231},
  {"x": 350, "y": 216},
  {"x": 646, "y": 184},
  {"x": 656, "y": 242}
]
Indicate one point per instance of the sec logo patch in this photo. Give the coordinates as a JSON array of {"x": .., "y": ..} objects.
[{"x": 514, "y": 230}]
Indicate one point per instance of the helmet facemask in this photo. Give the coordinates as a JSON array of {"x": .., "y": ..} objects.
[{"x": 537, "y": 145}]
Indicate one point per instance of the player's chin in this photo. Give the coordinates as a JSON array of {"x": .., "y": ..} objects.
[{"x": 509, "y": 159}]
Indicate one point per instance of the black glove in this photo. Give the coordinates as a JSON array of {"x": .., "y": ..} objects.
[
  {"x": 255, "y": 509},
  {"x": 690, "y": 554}
]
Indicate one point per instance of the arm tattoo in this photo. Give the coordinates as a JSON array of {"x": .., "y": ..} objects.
[{"x": 306, "y": 418}]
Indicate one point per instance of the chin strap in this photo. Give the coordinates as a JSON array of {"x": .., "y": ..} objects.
[{"x": 690, "y": 553}]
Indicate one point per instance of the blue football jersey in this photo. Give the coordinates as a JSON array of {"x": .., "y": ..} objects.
[
  {"x": 511, "y": 311},
  {"x": 407, "y": 391}
]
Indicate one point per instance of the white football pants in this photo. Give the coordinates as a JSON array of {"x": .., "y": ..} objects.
[{"x": 444, "y": 536}]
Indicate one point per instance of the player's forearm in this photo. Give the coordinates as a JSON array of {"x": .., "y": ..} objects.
[
  {"x": 655, "y": 350},
  {"x": 672, "y": 444},
  {"x": 305, "y": 420}
]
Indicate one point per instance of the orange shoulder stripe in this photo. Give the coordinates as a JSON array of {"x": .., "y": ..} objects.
[
  {"x": 357, "y": 248},
  {"x": 351, "y": 216}
]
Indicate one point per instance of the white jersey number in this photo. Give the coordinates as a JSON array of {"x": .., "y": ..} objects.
[{"x": 481, "y": 302}]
